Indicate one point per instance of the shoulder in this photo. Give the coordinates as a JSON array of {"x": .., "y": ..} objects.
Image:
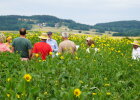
[
  {"x": 54, "y": 40},
  {"x": 63, "y": 42},
  {"x": 47, "y": 44},
  {"x": 138, "y": 49},
  {"x": 16, "y": 39},
  {"x": 37, "y": 43},
  {"x": 71, "y": 42},
  {"x": 3, "y": 44},
  {"x": 27, "y": 40}
]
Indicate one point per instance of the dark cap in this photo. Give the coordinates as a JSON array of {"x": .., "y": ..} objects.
[{"x": 49, "y": 33}]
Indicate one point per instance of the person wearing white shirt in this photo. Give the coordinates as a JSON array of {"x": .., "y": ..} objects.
[
  {"x": 91, "y": 45},
  {"x": 52, "y": 42},
  {"x": 136, "y": 51}
]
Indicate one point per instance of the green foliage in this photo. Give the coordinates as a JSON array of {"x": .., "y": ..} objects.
[
  {"x": 15, "y": 22},
  {"x": 125, "y": 28},
  {"x": 110, "y": 73}
]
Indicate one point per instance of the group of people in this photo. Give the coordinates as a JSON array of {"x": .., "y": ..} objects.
[{"x": 23, "y": 46}]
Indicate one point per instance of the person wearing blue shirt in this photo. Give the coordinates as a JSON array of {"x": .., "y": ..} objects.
[{"x": 52, "y": 42}]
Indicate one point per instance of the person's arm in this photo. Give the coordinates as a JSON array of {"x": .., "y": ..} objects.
[
  {"x": 30, "y": 49},
  {"x": 13, "y": 49},
  {"x": 56, "y": 47},
  {"x": 30, "y": 53},
  {"x": 74, "y": 48},
  {"x": 34, "y": 51},
  {"x": 50, "y": 50},
  {"x": 13, "y": 46},
  {"x": 7, "y": 49},
  {"x": 60, "y": 49}
]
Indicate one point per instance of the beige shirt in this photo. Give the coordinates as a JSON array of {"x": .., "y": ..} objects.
[{"x": 67, "y": 46}]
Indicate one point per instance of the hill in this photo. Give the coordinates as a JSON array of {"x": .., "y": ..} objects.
[
  {"x": 15, "y": 22},
  {"x": 124, "y": 28}
]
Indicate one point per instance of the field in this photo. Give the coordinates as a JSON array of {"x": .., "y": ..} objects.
[{"x": 106, "y": 74}]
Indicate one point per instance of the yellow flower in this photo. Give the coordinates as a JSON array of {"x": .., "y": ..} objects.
[
  {"x": 36, "y": 55},
  {"x": 94, "y": 93},
  {"x": 45, "y": 93},
  {"x": 105, "y": 79},
  {"x": 40, "y": 60},
  {"x": 50, "y": 53},
  {"x": 92, "y": 45},
  {"x": 18, "y": 96},
  {"x": 8, "y": 95},
  {"x": 76, "y": 58},
  {"x": 8, "y": 79},
  {"x": 108, "y": 93},
  {"x": 59, "y": 53},
  {"x": 81, "y": 81},
  {"x": 77, "y": 92},
  {"x": 27, "y": 77},
  {"x": 106, "y": 85},
  {"x": 61, "y": 57},
  {"x": 119, "y": 51}
]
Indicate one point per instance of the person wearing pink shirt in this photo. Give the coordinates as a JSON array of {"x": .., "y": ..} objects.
[{"x": 3, "y": 46}]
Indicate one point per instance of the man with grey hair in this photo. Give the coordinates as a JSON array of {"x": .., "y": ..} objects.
[{"x": 66, "y": 45}]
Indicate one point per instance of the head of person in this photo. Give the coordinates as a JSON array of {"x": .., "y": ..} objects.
[
  {"x": 65, "y": 35},
  {"x": 49, "y": 35},
  {"x": 9, "y": 39},
  {"x": 135, "y": 44},
  {"x": 22, "y": 31},
  {"x": 89, "y": 41},
  {"x": 2, "y": 38},
  {"x": 43, "y": 36}
]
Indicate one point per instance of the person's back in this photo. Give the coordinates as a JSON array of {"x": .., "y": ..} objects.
[
  {"x": 67, "y": 46},
  {"x": 21, "y": 46},
  {"x": 42, "y": 47}
]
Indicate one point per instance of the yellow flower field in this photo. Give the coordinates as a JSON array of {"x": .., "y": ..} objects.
[{"x": 107, "y": 73}]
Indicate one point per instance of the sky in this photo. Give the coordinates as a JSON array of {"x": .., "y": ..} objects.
[{"x": 83, "y": 11}]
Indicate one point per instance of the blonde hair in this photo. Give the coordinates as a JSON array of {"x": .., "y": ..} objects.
[{"x": 2, "y": 38}]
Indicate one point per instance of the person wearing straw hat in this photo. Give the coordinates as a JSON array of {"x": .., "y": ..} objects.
[
  {"x": 3, "y": 46},
  {"x": 22, "y": 46},
  {"x": 136, "y": 50},
  {"x": 42, "y": 48},
  {"x": 9, "y": 41}
]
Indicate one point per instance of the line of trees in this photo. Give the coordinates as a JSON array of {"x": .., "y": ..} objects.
[
  {"x": 124, "y": 28},
  {"x": 15, "y": 22}
]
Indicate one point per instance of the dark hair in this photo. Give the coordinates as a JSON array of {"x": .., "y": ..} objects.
[
  {"x": 49, "y": 33},
  {"x": 22, "y": 31},
  {"x": 90, "y": 42}
]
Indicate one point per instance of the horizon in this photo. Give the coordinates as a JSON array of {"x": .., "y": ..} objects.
[
  {"x": 82, "y": 11},
  {"x": 71, "y": 19}
]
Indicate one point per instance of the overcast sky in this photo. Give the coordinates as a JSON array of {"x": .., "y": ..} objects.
[{"x": 83, "y": 11}]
